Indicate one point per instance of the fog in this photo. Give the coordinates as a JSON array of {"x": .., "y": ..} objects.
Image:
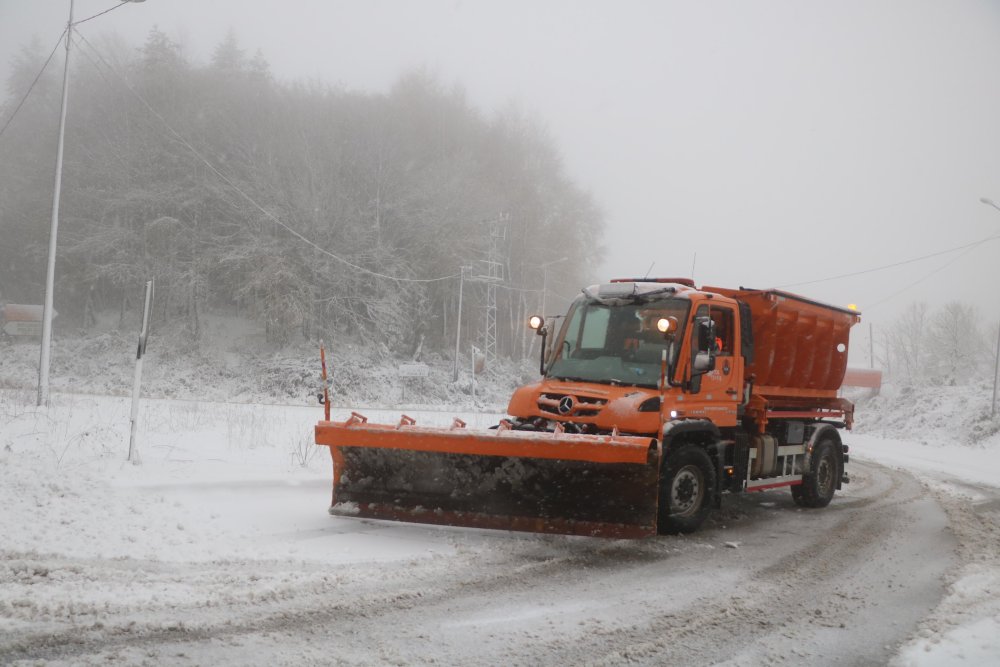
[{"x": 760, "y": 144}]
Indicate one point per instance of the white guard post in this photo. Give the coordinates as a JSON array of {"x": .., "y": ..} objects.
[{"x": 133, "y": 450}]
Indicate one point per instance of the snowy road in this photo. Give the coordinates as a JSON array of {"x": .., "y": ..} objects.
[
  {"x": 193, "y": 570},
  {"x": 843, "y": 585}
]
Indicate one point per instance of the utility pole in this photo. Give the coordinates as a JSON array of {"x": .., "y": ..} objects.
[
  {"x": 545, "y": 280},
  {"x": 996, "y": 375},
  {"x": 50, "y": 271},
  {"x": 996, "y": 364},
  {"x": 458, "y": 323},
  {"x": 871, "y": 346},
  {"x": 494, "y": 276},
  {"x": 545, "y": 290}
]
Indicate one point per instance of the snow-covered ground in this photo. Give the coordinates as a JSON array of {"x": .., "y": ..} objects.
[
  {"x": 948, "y": 439},
  {"x": 965, "y": 628},
  {"x": 218, "y": 548},
  {"x": 68, "y": 489}
]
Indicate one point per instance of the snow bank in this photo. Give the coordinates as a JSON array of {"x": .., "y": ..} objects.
[
  {"x": 233, "y": 363},
  {"x": 929, "y": 413},
  {"x": 218, "y": 482}
]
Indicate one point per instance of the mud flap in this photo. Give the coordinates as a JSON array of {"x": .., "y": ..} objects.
[{"x": 514, "y": 480}]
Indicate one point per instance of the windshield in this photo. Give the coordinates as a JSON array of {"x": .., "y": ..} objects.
[{"x": 614, "y": 343}]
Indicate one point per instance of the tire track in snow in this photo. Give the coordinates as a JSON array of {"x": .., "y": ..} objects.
[{"x": 312, "y": 595}]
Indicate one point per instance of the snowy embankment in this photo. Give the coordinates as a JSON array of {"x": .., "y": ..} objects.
[
  {"x": 68, "y": 489},
  {"x": 234, "y": 363},
  {"x": 947, "y": 437}
]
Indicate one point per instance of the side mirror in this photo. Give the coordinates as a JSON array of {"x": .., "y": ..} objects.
[
  {"x": 704, "y": 362},
  {"x": 702, "y": 351}
]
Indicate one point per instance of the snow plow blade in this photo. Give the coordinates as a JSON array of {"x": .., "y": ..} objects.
[{"x": 595, "y": 485}]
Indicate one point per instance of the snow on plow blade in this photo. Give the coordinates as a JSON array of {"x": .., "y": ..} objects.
[{"x": 598, "y": 485}]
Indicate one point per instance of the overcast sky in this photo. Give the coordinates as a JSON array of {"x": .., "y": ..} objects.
[{"x": 782, "y": 141}]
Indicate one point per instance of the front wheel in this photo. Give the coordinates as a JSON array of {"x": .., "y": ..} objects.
[
  {"x": 820, "y": 482},
  {"x": 686, "y": 491}
]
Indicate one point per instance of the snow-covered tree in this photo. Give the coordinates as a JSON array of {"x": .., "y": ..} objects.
[
  {"x": 309, "y": 208},
  {"x": 957, "y": 349}
]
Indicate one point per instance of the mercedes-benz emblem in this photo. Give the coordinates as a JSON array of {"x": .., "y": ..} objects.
[{"x": 565, "y": 405}]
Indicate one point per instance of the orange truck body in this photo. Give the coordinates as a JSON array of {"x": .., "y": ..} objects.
[
  {"x": 628, "y": 434},
  {"x": 800, "y": 346}
]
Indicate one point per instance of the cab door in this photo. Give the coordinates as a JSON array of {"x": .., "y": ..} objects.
[{"x": 721, "y": 388}]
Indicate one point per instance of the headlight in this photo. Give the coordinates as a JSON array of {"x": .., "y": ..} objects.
[{"x": 666, "y": 325}]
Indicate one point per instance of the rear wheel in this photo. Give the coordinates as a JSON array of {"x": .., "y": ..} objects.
[
  {"x": 819, "y": 484},
  {"x": 686, "y": 491}
]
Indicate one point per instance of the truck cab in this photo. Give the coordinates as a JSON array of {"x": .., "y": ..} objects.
[{"x": 612, "y": 366}]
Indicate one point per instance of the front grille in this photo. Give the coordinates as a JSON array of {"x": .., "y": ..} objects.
[{"x": 583, "y": 406}]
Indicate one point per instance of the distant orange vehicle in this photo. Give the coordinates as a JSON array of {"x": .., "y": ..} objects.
[
  {"x": 656, "y": 398},
  {"x": 20, "y": 320}
]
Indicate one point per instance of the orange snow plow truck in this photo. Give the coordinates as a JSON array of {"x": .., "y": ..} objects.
[{"x": 656, "y": 399}]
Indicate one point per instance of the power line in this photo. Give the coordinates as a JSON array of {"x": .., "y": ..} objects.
[
  {"x": 917, "y": 282},
  {"x": 250, "y": 199},
  {"x": 511, "y": 288},
  {"x": 890, "y": 266},
  {"x": 32, "y": 86},
  {"x": 532, "y": 290}
]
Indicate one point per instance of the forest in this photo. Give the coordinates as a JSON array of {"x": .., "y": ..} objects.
[{"x": 306, "y": 208}]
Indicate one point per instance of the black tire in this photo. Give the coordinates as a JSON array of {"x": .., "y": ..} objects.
[
  {"x": 819, "y": 484},
  {"x": 686, "y": 490}
]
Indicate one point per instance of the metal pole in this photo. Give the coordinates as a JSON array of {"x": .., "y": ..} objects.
[
  {"x": 147, "y": 308},
  {"x": 545, "y": 277},
  {"x": 996, "y": 372},
  {"x": 458, "y": 323},
  {"x": 472, "y": 376},
  {"x": 996, "y": 364},
  {"x": 545, "y": 291},
  {"x": 871, "y": 343},
  {"x": 50, "y": 273}
]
